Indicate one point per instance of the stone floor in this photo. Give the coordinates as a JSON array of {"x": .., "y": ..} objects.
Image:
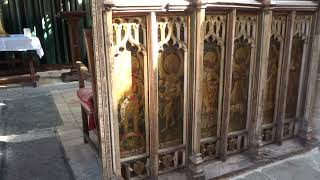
[
  {"x": 305, "y": 166},
  {"x": 41, "y": 138},
  {"x": 40, "y": 133}
]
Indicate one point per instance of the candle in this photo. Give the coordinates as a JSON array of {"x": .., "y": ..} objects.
[{"x": 27, "y": 32}]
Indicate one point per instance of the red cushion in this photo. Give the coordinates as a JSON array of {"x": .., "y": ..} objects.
[
  {"x": 86, "y": 99},
  {"x": 91, "y": 122}
]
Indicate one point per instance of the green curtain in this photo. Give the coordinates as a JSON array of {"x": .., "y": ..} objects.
[{"x": 41, "y": 17}]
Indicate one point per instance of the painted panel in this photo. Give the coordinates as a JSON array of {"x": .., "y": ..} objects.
[
  {"x": 301, "y": 33},
  {"x": 271, "y": 87},
  {"x": 294, "y": 77},
  {"x": 213, "y": 57},
  {"x": 210, "y": 90},
  {"x": 245, "y": 35},
  {"x": 170, "y": 86},
  {"x": 275, "y": 56},
  {"x": 240, "y": 85},
  {"x": 172, "y": 34},
  {"x": 241, "y": 82},
  {"x": 128, "y": 84}
]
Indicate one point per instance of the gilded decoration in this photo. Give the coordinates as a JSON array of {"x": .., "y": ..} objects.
[
  {"x": 172, "y": 35},
  {"x": 212, "y": 58},
  {"x": 129, "y": 88},
  {"x": 302, "y": 28},
  {"x": 245, "y": 39}
]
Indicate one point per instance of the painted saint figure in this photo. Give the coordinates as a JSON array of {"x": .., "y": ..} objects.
[
  {"x": 210, "y": 89},
  {"x": 170, "y": 87},
  {"x": 239, "y": 92},
  {"x": 131, "y": 113},
  {"x": 173, "y": 90}
]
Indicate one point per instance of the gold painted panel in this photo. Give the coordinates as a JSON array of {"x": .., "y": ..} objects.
[
  {"x": 210, "y": 89},
  {"x": 240, "y": 85},
  {"x": 128, "y": 84},
  {"x": 171, "y": 96},
  {"x": 294, "y": 77},
  {"x": 131, "y": 111},
  {"x": 271, "y": 86}
]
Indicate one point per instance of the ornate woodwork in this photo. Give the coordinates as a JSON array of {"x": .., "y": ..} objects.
[
  {"x": 242, "y": 67},
  {"x": 172, "y": 64},
  {"x": 278, "y": 28},
  {"x": 212, "y": 85},
  {"x": 129, "y": 93},
  {"x": 184, "y": 87},
  {"x": 301, "y": 33}
]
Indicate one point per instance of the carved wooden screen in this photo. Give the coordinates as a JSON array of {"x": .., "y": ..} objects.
[
  {"x": 172, "y": 89},
  {"x": 129, "y": 86},
  {"x": 276, "y": 49},
  {"x": 212, "y": 83},
  {"x": 302, "y": 28},
  {"x": 242, "y": 67}
]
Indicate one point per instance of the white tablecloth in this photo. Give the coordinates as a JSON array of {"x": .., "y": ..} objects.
[{"x": 19, "y": 42}]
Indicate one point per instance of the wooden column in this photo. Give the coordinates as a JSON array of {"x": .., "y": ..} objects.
[
  {"x": 307, "y": 124},
  {"x": 152, "y": 38},
  {"x": 285, "y": 76},
  {"x": 102, "y": 36},
  {"x": 227, "y": 83},
  {"x": 197, "y": 35},
  {"x": 260, "y": 82},
  {"x": 199, "y": 16}
]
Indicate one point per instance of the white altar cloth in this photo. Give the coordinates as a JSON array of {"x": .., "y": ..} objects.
[{"x": 19, "y": 42}]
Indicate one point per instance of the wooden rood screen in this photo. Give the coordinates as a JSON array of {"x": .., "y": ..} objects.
[{"x": 186, "y": 87}]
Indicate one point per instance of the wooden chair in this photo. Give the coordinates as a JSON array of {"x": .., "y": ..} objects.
[{"x": 88, "y": 96}]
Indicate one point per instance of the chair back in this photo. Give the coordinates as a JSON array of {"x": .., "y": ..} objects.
[{"x": 91, "y": 62}]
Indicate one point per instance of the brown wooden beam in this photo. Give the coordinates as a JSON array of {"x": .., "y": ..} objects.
[
  {"x": 255, "y": 135},
  {"x": 102, "y": 46},
  {"x": 152, "y": 38},
  {"x": 227, "y": 83},
  {"x": 18, "y": 79}
]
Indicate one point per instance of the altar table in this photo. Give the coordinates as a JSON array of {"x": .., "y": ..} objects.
[{"x": 21, "y": 43}]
